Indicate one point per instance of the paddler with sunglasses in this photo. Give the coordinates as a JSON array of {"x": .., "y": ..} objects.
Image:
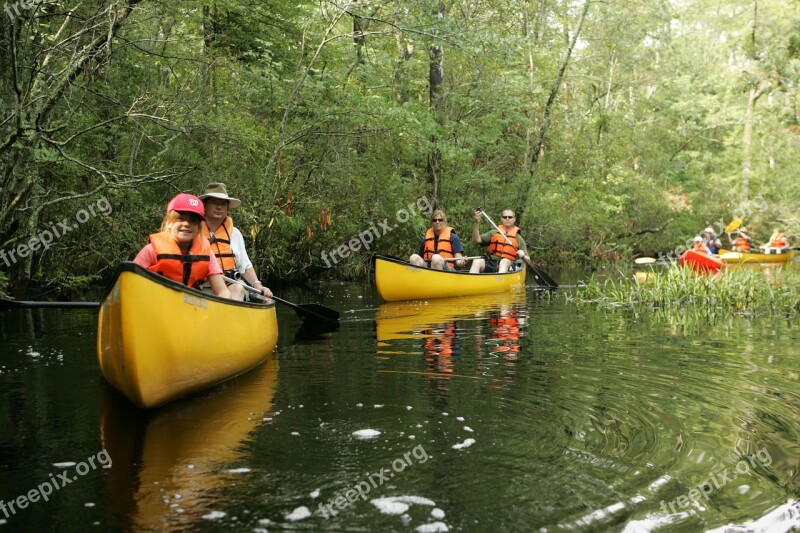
[
  {"x": 440, "y": 243},
  {"x": 501, "y": 254}
]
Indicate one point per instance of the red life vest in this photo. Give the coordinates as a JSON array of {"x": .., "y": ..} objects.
[
  {"x": 777, "y": 241},
  {"x": 221, "y": 242},
  {"x": 438, "y": 245},
  {"x": 499, "y": 247},
  {"x": 743, "y": 244},
  {"x": 190, "y": 268}
]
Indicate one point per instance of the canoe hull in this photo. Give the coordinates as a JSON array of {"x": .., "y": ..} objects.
[
  {"x": 157, "y": 340},
  {"x": 700, "y": 262},
  {"x": 397, "y": 280},
  {"x": 751, "y": 258}
]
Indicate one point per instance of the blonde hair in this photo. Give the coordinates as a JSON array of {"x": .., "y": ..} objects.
[
  {"x": 438, "y": 213},
  {"x": 173, "y": 215}
]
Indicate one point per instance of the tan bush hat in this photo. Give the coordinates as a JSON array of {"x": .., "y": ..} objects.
[{"x": 218, "y": 190}]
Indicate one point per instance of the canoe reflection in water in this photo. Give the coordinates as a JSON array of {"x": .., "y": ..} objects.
[
  {"x": 168, "y": 461},
  {"x": 444, "y": 324}
]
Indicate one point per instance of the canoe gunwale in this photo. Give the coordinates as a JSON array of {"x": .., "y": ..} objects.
[
  {"x": 130, "y": 266},
  {"x": 399, "y": 261}
]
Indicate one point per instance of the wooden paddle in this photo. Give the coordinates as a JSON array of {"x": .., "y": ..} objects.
[
  {"x": 735, "y": 223},
  {"x": 539, "y": 275},
  {"x": 26, "y": 304},
  {"x": 644, "y": 260},
  {"x": 304, "y": 311}
]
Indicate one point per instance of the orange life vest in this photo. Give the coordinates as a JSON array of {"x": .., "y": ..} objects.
[
  {"x": 743, "y": 244},
  {"x": 221, "y": 242},
  {"x": 777, "y": 242},
  {"x": 438, "y": 245},
  {"x": 190, "y": 268},
  {"x": 499, "y": 247},
  {"x": 506, "y": 328}
]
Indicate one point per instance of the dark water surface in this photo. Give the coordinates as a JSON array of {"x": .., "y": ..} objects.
[{"x": 512, "y": 412}]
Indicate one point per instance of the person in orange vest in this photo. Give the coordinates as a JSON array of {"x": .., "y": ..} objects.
[
  {"x": 440, "y": 243},
  {"x": 743, "y": 241},
  {"x": 179, "y": 251},
  {"x": 501, "y": 253},
  {"x": 777, "y": 240},
  {"x": 227, "y": 241},
  {"x": 700, "y": 245}
]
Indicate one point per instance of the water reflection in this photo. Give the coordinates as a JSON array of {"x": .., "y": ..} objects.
[
  {"x": 441, "y": 328},
  {"x": 168, "y": 462}
]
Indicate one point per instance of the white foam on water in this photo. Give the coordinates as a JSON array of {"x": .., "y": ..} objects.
[
  {"x": 397, "y": 505},
  {"x": 314, "y": 494},
  {"x": 214, "y": 515},
  {"x": 242, "y": 470},
  {"x": 437, "y": 513},
  {"x": 783, "y": 518},
  {"x": 460, "y": 418},
  {"x": 434, "y": 527},
  {"x": 466, "y": 444},
  {"x": 264, "y": 522},
  {"x": 301, "y": 513},
  {"x": 378, "y": 405},
  {"x": 295, "y": 433},
  {"x": 467, "y": 428},
  {"x": 366, "y": 433}
]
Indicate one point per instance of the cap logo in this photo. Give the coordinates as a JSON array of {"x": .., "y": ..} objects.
[{"x": 193, "y": 202}]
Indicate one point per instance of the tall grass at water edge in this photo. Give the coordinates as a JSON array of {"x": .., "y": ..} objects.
[{"x": 770, "y": 292}]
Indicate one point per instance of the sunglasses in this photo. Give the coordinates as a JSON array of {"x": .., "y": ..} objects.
[
  {"x": 507, "y": 216},
  {"x": 437, "y": 220}
]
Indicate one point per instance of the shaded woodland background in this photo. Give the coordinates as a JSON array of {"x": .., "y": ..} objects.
[{"x": 615, "y": 128}]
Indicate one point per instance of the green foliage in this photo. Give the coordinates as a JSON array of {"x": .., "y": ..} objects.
[{"x": 771, "y": 292}]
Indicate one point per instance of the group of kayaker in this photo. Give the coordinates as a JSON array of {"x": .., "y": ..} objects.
[
  {"x": 710, "y": 244},
  {"x": 441, "y": 246},
  {"x": 199, "y": 246}
]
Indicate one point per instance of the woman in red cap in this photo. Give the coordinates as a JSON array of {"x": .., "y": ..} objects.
[{"x": 179, "y": 251}]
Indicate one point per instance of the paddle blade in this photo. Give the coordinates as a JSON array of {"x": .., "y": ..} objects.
[
  {"x": 644, "y": 260},
  {"x": 734, "y": 225},
  {"x": 318, "y": 311}
]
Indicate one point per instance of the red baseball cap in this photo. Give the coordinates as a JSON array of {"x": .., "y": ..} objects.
[{"x": 187, "y": 203}]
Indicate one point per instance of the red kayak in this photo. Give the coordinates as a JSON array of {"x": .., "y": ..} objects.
[{"x": 700, "y": 262}]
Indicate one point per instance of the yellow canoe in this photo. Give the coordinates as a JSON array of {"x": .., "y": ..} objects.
[
  {"x": 741, "y": 257},
  {"x": 158, "y": 340},
  {"x": 398, "y": 280}
]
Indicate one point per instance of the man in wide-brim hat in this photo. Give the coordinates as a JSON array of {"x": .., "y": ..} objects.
[{"x": 227, "y": 241}]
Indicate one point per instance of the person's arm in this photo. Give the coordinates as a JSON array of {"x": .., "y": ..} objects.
[
  {"x": 728, "y": 233},
  {"x": 243, "y": 264},
  {"x": 146, "y": 256},
  {"x": 458, "y": 249},
  {"x": 522, "y": 253},
  {"x": 251, "y": 278},
  {"x": 218, "y": 286},
  {"x": 476, "y": 228}
]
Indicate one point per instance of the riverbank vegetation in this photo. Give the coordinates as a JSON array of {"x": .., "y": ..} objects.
[
  {"x": 744, "y": 291},
  {"x": 613, "y": 128}
]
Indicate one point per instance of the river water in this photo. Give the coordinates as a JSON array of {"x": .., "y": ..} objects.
[{"x": 507, "y": 412}]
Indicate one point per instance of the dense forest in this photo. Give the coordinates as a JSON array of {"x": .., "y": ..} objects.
[{"x": 613, "y": 128}]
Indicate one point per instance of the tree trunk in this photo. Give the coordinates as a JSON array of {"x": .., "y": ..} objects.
[{"x": 435, "y": 79}]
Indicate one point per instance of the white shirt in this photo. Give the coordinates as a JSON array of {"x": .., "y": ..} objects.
[{"x": 239, "y": 251}]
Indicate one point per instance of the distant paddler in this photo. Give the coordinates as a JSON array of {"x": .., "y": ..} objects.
[
  {"x": 743, "y": 242},
  {"x": 778, "y": 241},
  {"x": 505, "y": 245},
  {"x": 440, "y": 243}
]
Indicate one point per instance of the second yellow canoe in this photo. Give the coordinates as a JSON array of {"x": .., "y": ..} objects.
[
  {"x": 741, "y": 257},
  {"x": 398, "y": 280}
]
